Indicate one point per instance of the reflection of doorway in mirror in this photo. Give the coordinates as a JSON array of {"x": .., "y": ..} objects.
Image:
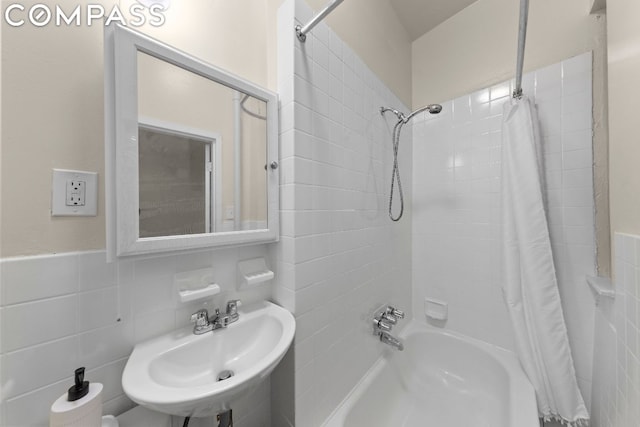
[
  {"x": 178, "y": 179},
  {"x": 173, "y": 94}
]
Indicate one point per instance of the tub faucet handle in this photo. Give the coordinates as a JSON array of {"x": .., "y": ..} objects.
[
  {"x": 392, "y": 311},
  {"x": 389, "y": 318},
  {"x": 381, "y": 325}
]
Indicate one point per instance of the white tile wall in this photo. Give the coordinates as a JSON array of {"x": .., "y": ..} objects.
[
  {"x": 63, "y": 311},
  {"x": 456, "y": 205},
  {"x": 340, "y": 255},
  {"x": 616, "y": 374}
]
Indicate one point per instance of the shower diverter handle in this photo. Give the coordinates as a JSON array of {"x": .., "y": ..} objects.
[
  {"x": 389, "y": 318},
  {"x": 397, "y": 314},
  {"x": 381, "y": 325}
]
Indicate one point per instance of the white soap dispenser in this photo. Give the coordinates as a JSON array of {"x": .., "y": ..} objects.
[{"x": 81, "y": 406}]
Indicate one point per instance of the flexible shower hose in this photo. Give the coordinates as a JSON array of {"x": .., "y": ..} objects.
[{"x": 395, "y": 175}]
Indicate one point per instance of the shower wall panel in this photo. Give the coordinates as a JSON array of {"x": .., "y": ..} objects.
[
  {"x": 616, "y": 373},
  {"x": 339, "y": 256},
  {"x": 456, "y": 205}
]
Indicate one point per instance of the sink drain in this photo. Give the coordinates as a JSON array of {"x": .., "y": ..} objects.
[{"x": 225, "y": 375}]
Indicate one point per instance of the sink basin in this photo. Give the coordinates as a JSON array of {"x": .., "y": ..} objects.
[{"x": 177, "y": 373}]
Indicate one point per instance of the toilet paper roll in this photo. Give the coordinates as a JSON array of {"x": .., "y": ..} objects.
[
  {"x": 110, "y": 421},
  {"x": 85, "y": 412}
]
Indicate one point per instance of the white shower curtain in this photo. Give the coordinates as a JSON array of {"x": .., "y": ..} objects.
[{"x": 528, "y": 274}]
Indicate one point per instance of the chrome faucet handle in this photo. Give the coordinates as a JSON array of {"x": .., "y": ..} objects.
[
  {"x": 381, "y": 325},
  {"x": 389, "y": 318},
  {"x": 232, "y": 306},
  {"x": 232, "y": 312},
  {"x": 200, "y": 318},
  {"x": 395, "y": 312}
]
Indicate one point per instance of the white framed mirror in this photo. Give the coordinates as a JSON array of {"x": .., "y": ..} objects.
[{"x": 191, "y": 151}]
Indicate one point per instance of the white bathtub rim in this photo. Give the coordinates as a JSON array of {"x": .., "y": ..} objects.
[
  {"x": 339, "y": 414},
  {"x": 518, "y": 382}
]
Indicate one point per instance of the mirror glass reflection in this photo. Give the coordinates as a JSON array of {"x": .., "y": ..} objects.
[
  {"x": 174, "y": 183},
  {"x": 202, "y": 149}
]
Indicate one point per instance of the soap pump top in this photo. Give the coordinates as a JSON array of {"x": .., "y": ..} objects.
[{"x": 81, "y": 387}]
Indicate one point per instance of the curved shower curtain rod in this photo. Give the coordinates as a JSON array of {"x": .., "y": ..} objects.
[{"x": 249, "y": 112}]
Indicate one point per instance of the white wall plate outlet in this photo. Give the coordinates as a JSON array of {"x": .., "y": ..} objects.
[{"x": 74, "y": 193}]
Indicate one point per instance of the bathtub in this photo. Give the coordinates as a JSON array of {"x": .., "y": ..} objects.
[{"x": 440, "y": 379}]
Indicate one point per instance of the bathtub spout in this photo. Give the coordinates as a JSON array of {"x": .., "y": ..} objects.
[{"x": 389, "y": 339}]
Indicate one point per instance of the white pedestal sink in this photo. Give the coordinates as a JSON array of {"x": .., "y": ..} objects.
[{"x": 177, "y": 373}]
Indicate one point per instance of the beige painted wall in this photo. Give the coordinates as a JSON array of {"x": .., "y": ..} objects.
[
  {"x": 477, "y": 48},
  {"x": 624, "y": 104},
  {"x": 52, "y": 115},
  {"x": 53, "y": 109},
  {"x": 52, "y": 99},
  {"x": 373, "y": 30}
]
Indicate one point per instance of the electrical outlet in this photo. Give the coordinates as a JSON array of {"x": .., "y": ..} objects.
[{"x": 74, "y": 193}]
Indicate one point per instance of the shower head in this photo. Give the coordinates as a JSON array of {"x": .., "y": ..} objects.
[{"x": 431, "y": 108}]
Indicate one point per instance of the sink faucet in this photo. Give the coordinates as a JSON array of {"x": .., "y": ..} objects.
[
  {"x": 201, "y": 319},
  {"x": 204, "y": 323},
  {"x": 230, "y": 316},
  {"x": 232, "y": 310}
]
